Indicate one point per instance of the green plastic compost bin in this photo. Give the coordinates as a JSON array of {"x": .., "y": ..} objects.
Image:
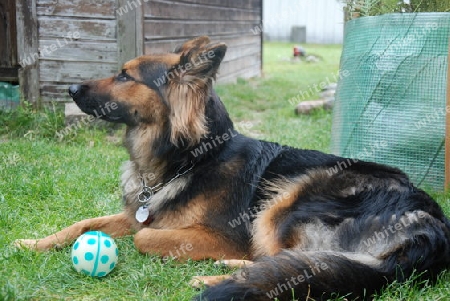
[{"x": 9, "y": 96}]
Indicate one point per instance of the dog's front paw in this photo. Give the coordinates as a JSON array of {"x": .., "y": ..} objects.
[
  {"x": 234, "y": 263},
  {"x": 201, "y": 281},
  {"x": 31, "y": 244}
]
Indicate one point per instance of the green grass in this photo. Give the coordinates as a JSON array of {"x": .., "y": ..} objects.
[{"x": 48, "y": 183}]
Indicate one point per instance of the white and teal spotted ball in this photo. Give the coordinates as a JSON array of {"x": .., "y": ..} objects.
[{"x": 95, "y": 254}]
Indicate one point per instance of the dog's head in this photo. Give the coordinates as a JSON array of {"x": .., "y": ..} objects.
[{"x": 168, "y": 91}]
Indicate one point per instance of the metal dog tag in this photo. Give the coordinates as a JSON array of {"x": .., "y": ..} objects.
[
  {"x": 142, "y": 214},
  {"x": 146, "y": 194}
]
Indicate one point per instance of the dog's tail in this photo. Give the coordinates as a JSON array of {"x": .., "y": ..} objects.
[
  {"x": 319, "y": 275},
  {"x": 296, "y": 275}
]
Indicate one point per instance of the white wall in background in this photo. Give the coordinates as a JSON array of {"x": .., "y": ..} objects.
[{"x": 324, "y": 20}]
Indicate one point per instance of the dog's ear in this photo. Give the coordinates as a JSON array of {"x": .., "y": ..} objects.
[
  {"x": 202, "y": 62},
  {"x": 194, "y": 43},
  {"x": 188, "y": 90}
]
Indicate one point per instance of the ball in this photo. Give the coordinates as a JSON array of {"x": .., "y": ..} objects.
[{"x": 95, "y": 254}]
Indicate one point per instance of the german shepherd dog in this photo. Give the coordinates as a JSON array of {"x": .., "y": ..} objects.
[{"x": 299, "y": 229}]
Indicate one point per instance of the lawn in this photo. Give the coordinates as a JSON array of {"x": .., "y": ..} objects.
[{"x": 48, "y": 183}]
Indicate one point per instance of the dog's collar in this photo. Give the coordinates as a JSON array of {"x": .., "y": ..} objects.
[{"x": 147, "y": 192}]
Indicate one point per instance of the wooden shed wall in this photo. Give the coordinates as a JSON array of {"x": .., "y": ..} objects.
[
  {"x": 168, "y": 23},
  {"x": 159, "y": 26},
  {"x": 93, "y": 55}
]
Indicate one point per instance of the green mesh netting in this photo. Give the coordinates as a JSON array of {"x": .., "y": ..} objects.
[{"x": 390, "y": 106}]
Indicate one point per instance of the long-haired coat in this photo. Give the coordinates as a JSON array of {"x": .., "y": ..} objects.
[{"x": 306, "y": 228}]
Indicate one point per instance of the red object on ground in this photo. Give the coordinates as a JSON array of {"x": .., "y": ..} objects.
[{"x": 298, "y": 51}]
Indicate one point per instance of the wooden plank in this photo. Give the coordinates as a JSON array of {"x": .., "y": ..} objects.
[
  {"x": 248, "y": 4},
  {"x": 139, "y": 32},
  {"x": 232, "y": 41},
  {"x": 82, "y": 51},
  {"x": 99, "y": 9},
  {"x": 447, "y": 121},
  {"x": 27, "y": 45},
  {"x": 161, "y": 9},
  {"x": 74, "y": 72},
  {"x": 129, "y": 33},
  {"x": 235, "y": 52},
  {"x": 55, "y": 91},
  {"x": 96, "y": 30},
  {"x": 155, "y": 29}
]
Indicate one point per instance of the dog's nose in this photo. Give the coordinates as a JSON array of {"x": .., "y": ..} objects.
[{"x": 74, "y": 89}]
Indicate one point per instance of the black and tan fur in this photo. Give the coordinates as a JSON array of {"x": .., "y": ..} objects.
[{"x": 294, "y": 214}]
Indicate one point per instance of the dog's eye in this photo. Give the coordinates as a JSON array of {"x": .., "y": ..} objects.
[{"x": 123, "y": 77}]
